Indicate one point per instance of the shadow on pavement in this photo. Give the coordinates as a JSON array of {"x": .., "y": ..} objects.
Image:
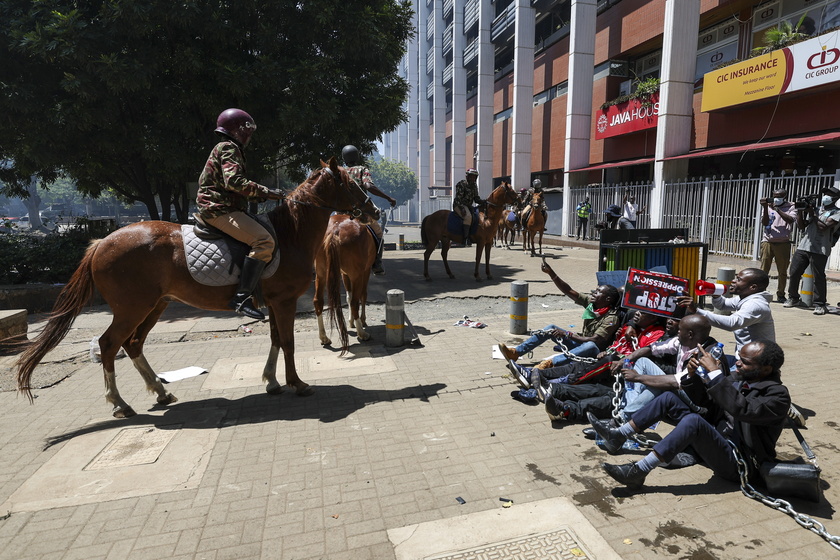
[{"x": 329, "y": 404}]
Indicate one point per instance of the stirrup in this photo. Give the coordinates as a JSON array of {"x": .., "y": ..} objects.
[{"x": 245, "y": 308}]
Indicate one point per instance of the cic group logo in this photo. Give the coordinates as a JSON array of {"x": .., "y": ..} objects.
[{"x": 826, "y": 57}]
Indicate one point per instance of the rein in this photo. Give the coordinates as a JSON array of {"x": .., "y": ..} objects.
[{"x": 355, "y": 212}]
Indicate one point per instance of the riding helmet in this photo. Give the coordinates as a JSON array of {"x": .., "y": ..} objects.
[{"x": 237, "y": 125}]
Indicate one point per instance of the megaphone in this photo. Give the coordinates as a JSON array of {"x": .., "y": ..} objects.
[{"x": 703, "y": 288}]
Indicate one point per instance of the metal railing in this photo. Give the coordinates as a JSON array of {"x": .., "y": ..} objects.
[{"x": 600, "y": 197}]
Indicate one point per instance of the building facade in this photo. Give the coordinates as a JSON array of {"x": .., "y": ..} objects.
[{"x": 597, "y": 93}]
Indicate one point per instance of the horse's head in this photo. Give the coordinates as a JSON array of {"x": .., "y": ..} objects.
[
  {"x": 537, "y": 198},
  {"x": 349, "y": 196}
]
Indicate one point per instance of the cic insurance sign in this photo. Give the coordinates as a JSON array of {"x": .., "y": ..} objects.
[
  {"x": 808, "y": 64},
  {"x": 630, "y": 116}
]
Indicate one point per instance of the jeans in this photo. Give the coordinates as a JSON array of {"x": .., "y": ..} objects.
[
  {"x": 640, "y": 395},
  {"x": 584, "y": 349},
  {"x": 800, "y": 261},
  {"x": 691, "y": 429},
  {"x": 589, "y": 397},
  {"x": 582, "y": 226}
]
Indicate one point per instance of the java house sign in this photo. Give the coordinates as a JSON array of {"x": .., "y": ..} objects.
[
  {"x": 630, "y": 116},
  {"x": 808, "y": 64}
]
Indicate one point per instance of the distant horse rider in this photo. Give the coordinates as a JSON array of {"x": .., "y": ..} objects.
[
  {"x": 361, "y": 175},
  {"x": 223, "y": 196},
  {"x": 536, "y": 187},
  {"x": 466, "y": 194}
]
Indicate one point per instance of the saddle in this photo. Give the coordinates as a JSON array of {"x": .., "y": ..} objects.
[
  {"x": 455, "y": 224},
  {"x": 214, "y": 258}
]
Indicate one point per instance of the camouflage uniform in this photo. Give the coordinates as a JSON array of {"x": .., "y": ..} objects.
[
  {"x": 465, "y": 195},
  {"x": 361, "y": 176},
  {"x": 223, "y": 194}
]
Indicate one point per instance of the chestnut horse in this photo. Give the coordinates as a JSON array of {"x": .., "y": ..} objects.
[
  {"x": 433, "y": 230},
  {"x": 535, "y": 224},
  {"x": 139, "y": 268},
  {"x": 356, "y": 253}
]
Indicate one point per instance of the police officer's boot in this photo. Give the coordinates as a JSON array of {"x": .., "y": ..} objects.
[
  {"x": 242, "y": 303},
  {"x": 467, "y": 241},
  {"x": 377, "y": 264}
]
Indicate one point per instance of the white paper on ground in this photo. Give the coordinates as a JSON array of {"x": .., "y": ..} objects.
[
  {"x": 496, "y": 354},
  {"x": 179, "y": 374}
]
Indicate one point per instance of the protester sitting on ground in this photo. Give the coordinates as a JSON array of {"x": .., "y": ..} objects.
[
  {"x": 647, "y": 379},
  {"x": 751, "y": 317},
  {"x": 600, "y": 322},
  {"x": 641, "y": 330},
  {"x": 752, "y": 410}
]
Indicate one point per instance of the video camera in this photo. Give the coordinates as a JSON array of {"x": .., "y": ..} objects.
[{"x": 810, "y": 201}]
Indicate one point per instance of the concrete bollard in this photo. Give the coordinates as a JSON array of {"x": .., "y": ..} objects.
[
  {"x": 518, "y": 307},
  {"x": 725, "y": 276},
  {"x": 401, "y": 242},
  {"x": 806, "y": 287},
  {"x": 394, "y": 318}
]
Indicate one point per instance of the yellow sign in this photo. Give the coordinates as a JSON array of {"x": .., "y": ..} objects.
[{"x": 751, "y": 80}]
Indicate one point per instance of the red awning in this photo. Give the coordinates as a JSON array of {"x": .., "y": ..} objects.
[
  {"x": 827, "y": 137},
  {"x": 624, "y": 163}
]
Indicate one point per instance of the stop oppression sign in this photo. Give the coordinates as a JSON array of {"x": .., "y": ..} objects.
[{"x": 654, "y": 292}]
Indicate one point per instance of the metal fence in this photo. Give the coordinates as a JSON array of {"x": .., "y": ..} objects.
[
  {"x": 723, "y": 212},
  {"x": 601, "y": 196}
]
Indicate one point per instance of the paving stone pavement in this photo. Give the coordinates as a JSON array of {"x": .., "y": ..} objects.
[{"x": 328, "y": 476}]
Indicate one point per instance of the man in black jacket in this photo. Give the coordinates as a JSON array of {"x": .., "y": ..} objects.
[{"x": 750, "y": 408}]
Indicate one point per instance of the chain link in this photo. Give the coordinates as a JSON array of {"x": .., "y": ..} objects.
[{"x": 782, "y": 505}]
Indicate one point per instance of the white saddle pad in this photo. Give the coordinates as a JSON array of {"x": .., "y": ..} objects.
[{"x": 209, "y": 262}]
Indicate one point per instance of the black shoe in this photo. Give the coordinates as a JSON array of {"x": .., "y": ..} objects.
[
  {"x": 629, "y": 474},
  {"x": 613, "y": 439},
  {"x": 557, "y": 409},
  {"x": 242, "y": 303}
]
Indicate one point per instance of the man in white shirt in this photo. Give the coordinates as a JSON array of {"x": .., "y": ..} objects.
[{"x": 629, "y": 212}]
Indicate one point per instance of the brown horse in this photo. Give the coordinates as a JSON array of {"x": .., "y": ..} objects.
[
  {"x": 138, "y": 269},
  {"x": 433, "y": 230},
  {"x": 509, "y": 228},
  {"x": 533, "y": 223},
  {"x": 356, "y": 250}
]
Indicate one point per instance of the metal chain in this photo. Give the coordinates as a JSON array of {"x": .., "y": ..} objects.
[{"x": 782, "y": 505}]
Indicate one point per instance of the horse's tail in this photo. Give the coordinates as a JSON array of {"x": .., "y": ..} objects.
[
  {"x": 424, "y": 236},
  {"x": 69, "y": 304},
  {"x": 334, "y": 283}
]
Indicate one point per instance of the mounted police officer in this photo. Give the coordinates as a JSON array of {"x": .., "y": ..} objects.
[
  {"x": 536, "y": 187},
  {"x": 361, "y": 175},
  {"x": 223, "y": 196},
  {"x": 466, "y": 194}
]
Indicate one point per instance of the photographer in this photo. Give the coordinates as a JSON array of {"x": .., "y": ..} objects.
[
  {"x": 778, "y": 217},
  {"x": 819, "y": 226}
]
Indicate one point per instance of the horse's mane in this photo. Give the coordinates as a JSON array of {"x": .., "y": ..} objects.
[{"x": 288, "y": 216}]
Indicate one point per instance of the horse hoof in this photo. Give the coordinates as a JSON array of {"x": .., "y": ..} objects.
[
  {"x": 364, "y": 338},
  {"x": 452, "y": 277},
  {"x": 167, "y": 399},
  {"x": 326, "y": 342},
  {"x": 304, "y": 390},
  {"x": 428, "y": 278},
  {"x": 126, "y": 412},
  {"x": 276, "y": 390}
]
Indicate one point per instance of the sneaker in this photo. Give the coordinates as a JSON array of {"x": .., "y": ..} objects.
[
  {"x": 780, "y": 298},
  {"x": 557, "y": 409},
  {"x": 820, "y": 310},
  {"x": 791, "y": 302},
  {"x": 508, "y": 353},
  {"x": 520, "y": 374}
]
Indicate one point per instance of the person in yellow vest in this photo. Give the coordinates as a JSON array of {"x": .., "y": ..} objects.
[{"x": 583, "y": 210}]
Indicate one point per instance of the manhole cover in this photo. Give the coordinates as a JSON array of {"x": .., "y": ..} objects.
[
  {"x": 134, "y": 446},
  {"x": 553, "y": 544}
]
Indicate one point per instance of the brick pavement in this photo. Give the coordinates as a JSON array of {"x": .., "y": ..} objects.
[{"x": 327, "y": 476}]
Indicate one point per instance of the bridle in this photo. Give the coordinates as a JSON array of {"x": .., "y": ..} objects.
[{"x": 355, "y": 212}]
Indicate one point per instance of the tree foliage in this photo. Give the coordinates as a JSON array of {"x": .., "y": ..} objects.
[
  {"x": 123, "y": 94},
  {"x": 395, "y": 179}
]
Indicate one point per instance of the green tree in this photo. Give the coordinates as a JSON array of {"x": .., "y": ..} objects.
[
  {"x": 123, "y": 94},
  {"x": 395, "y": 179}
]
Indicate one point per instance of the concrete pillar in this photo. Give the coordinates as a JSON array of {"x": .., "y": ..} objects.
[
  {"x": 676, "y": 94},
  {"x": 439, "y": 97},
  {"x": 579, "y": 100},
  {"x": 484, "y": 100},
  {"x": 423, "y": 171},
  {"x": 518, "y": 307},
  {"x": 459, "y": 95},
  {"x": 523, "y": 94},
  {"x": 413, "y": 98}
]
